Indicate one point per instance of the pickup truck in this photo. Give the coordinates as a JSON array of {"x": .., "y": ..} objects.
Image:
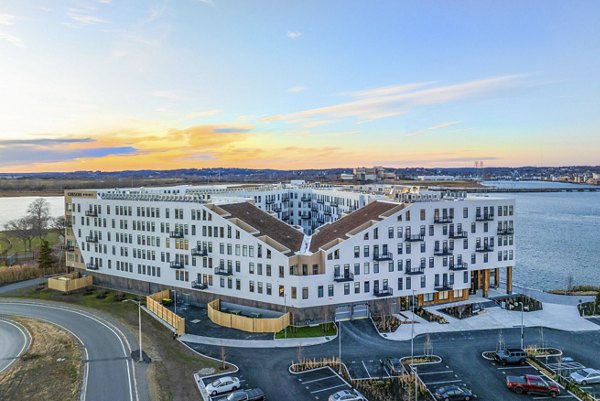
[
  {"x": 532, "y": 384},
  {"x": 255, "y": 394}
]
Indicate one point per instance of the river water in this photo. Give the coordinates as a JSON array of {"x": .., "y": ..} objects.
[{"x": 557, "y": 234}]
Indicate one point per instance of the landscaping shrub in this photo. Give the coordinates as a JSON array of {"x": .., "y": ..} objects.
[{"x": 101, "y": 294}]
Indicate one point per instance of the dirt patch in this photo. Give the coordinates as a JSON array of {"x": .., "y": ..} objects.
[{"x": 51, "y": 370}]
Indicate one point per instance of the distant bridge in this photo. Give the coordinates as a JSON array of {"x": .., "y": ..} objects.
[{"x": 522, "y": 190}]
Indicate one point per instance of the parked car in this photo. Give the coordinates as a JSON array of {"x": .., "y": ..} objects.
[
  {"x": 222, "y": 385},
  {"x": 511, "y": 356},
  {"x": 453, "y": 393},
  {"x": 393, "y": 366},
  {"x": 255, "y": 394},
  {"x": 531, "y": 384},
  {"x": 586, "y": 376},
  {"x": 347, "y": 395}
]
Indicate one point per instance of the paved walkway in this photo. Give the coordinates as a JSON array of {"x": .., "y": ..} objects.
[
  {"x": 543, "y": 296},
  {"x": 228, "y": 342}
]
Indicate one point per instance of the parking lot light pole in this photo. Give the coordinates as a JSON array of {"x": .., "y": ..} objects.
[
  {"x": 140, "y": 327},
  {"x": 285, "y": 307},
  {"x": 522, "y": 325},
  {"x": 416, "y": 391},
  {"x": 412, "y": 330},
  {"x": 340, "y": 345}
]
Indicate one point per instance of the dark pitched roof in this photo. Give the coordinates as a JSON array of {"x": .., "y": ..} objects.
[
  {"x": 266, "y": 224},
  {"x": 341, "y": 227}
]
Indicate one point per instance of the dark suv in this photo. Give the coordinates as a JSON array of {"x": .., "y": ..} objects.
[{"x": 511, "y": 356}]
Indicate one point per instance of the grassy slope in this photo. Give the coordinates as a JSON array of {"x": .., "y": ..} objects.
[{"x": 322, "y": 330}]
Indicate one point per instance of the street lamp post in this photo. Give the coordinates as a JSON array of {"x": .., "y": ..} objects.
[
  {"x": 522, "y": 325},
  {"x": 285, "y": 306},
  {"x": 175, "y": 300},
  {"x": 412, "y": 329},
  {"x": 141, "y": 359},
  {"x": 416, "y": 390},
  {"x": 340, "y": 345}
]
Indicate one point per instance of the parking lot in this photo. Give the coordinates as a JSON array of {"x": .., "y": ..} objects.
[
  {"x": 243, "y": 385},
  {"x": 436, "y": 375},
  {"x": 367, "y": 369},
  {"x": 567, "y": 366},
  {"x": 501, "y": 372},
  {"x": 321, "y": 383}
]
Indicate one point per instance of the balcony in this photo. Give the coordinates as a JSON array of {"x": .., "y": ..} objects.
[
  {"x": 198, "y": 251},
  {"x": 305, "y": 216},
  {"x": 415, "y": 270},
  {"x": 320, "y": 220},
  {"x": 198, "y": 285},
  {"x": 484, "y": 217},
  {"x": 176, "y": 264},
  {"x": 68, "y": 223},
  {"x": 91, "y": 266},
  {"x": 443, "y": 252},
  {"x": 443, "y": 287},
  {"x": 224, "y": 271},
  {"x": 384, "y": 292},
  {"x": 459, "y": 267},
  {"x": 334, "y": 204},
  {"x": 327, "y": 212},
  {"x": 92, "y": 238},
  {"x": 414, "y": 237},
  {"x": 70, "y": 248},
  {"x": 382, "y": 257},
  {"x": 269, "y": 201},
  {"x": 442, "y": 220},
  {"x": 344, "y": 277},
  {"x": 484, "y": 248},
  {"x": 306, "y": 198},
  {"x": 176, "y": 234},
  {"x": 277, "y": 208},
  {"x": 314, "y": 209},
  {"x": 321, "y": 201},
  {"x": 91, "y": 213},
  {"x": 506, "y": 231},
  {"x": 458, "y": 234}
]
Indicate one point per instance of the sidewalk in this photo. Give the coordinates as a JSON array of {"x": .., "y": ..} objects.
[
  {"x": 555, "y": 316},
  {"x": 228, "y": 342}
]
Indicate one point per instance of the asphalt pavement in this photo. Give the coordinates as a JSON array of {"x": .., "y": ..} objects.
[
  {"x": 108, "y": 369},
  {"x": 14, "y": 339}
]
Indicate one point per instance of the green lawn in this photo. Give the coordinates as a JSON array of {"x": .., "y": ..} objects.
[
  {"x": 322, "y": 330},
  {"x": 18, "y": 246}
]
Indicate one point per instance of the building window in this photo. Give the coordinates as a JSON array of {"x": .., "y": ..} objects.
[
  {"x": 304, "y": 292},
  {"x": 366, "y": 287},
  {"x": 357, "y": 251},
  {"x": 346, "y": 288},
  {"x": 320, "y": 291},
  {"x": 423, "y": 281},
  {"x": 400, "y": 282},
  {"x": 269, "y": 289},
  {"x": 330, "y": 290},
  {"x": 408, "y": 283},
  {"x": 281, "y": 291},
  {"x": 428, "y": 297},
  {"x": 357, "y": 287}
]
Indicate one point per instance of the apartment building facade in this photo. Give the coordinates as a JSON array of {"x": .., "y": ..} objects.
[{"x": 234, "y": 244}]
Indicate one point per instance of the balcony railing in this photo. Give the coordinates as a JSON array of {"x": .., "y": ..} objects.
[
  {"x": 198, "y": 285},
  {"x": 70, "y": 248},
  {"x": 176, "y": 234},
  {"x": 484, "y": 217},
  {"x": 91, "y": 238},
  {"x": 334, "y": 204},
  {"x": 415, "y": 270},
  {"x": 320, "y": 220},
  {"x": 442, "y": 220},
  {"x": 277, "y": 208},
  {"x": 321, "y": 201},
  {"x": 443, "y": 252},
  {"x": 458, "y": 234},
  {"x": 68, "y": 223},
  {"x": 176, "y": 264},
  {"x": 341, "y": 278},
  {"x": 484, "y": 248},
  {"x": 91, "y": 213},
  {"x": 92, "y": 266},
  {"x": 382, "y": 256},
  {"x": 443, "y": 287},
  {"x": 459, "y": 266},
  {"x": 383, "y": 292},
  {"x": 327, "y": 212},
  {"x": 199, "y": 251},
  {"x": 414, "y": 237},
  {"x": 269, "y": 201},
  {"x": 305, "y": 198},
  {"x": 314, "y": 209},
  {"x": 224, "y": 271},
  {"x": 306, "y": 216},
  {"x": 506, "y": 231}
]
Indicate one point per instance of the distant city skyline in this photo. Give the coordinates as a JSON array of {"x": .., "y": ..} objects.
[{"x": 112, "y": 85}]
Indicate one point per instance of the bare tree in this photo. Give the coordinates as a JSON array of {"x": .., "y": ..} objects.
[
  {"x": 39, "y": 214},
  {"x": 570, "y": 282},
  {"x": 22, "y": 229},
  {"x": 461, "y": 309},
  {"x": 59, "y": 223}
]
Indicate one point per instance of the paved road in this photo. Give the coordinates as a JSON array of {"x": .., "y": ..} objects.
[
  {"x": 460, "y": 351},
  {"x": 109, "y": 372},
  {"x": 14, "y": 339}
]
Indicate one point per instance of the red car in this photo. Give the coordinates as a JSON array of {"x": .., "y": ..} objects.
[{"x": 532, "y": 384}]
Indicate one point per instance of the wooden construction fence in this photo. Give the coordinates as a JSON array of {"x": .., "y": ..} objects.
[
  {"x": 154, "y": 305},
  {"x": 69, "y": 282},
  {"x": 248, "y": 324}
]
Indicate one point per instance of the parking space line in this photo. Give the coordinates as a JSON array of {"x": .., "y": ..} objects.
[
  {"x": 316, "y": 380},
  {"x": 435, "y": 373},
  {"x": 549, "y": 398},
  {"x": 444, "y": 382},
  {"x": 516, "y": 367},
  {"x": 328, "y": 388},
  {"x": 367, "y": 370}
]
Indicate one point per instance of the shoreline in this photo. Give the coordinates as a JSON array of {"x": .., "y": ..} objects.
[{"x": 29, "y": 194}]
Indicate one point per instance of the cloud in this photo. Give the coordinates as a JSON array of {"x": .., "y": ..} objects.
[
  {"x": 105, "y": 1},
  {"x": 294, "y": 34},
  {"x": 389, "y": 101},
  {"x": 436, "y": 127},
  {"x": 444, "y": 125},
  {"x": 229, "y": 130},
  {"x": 43, "y": 141},
  {"x": 23, "y": 155},
  {"x": 83, "y": 18},
  {"x": 6, "y": 19},
  {"x": 296, "y": 89},
  {"x": 207, "y": 2},
  {"x": 15, "y": 40}
]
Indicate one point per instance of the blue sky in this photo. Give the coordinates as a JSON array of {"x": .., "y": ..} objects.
[{"x": 193, "y": 83}]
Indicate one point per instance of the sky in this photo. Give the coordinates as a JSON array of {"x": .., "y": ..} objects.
[{"x": 165, "y": 84}]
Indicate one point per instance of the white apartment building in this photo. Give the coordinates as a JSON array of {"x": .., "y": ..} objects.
[{"x": 340, "y": 246}]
